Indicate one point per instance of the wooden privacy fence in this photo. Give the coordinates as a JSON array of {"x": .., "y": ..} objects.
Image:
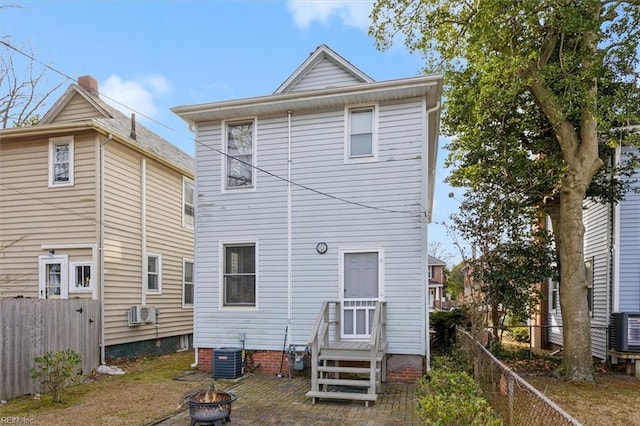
[{"x": 33, "y": 327}]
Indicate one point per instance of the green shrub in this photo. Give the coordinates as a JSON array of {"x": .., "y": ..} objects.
[
  {"x": 453, "y": 398},
  {"x": 520, "y": 334},
  {"x": 443, "y": 324},
  {"x": 56, "y": 371}
]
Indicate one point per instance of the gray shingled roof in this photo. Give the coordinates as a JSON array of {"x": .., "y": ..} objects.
[
  {"x": 121, "y": 124},
  {"x": 435, "y": 261}
]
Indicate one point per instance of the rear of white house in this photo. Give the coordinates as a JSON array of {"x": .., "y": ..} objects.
[{"x": 319, "y": 192}]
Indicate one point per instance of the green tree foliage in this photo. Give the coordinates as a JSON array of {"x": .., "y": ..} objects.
[
  {"x": 536, "y": 93},
  {"x": 56, "y": 371}
]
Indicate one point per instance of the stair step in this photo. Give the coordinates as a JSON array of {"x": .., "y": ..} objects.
[
  {"x": 345, "y": 382},
  {"x": 343, "y": 395},
  {"x": 353, "y": 370},
  {"x": 340, "y": 357}
]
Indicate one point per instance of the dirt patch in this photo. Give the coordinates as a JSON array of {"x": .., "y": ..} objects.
[{"x": 147, "y": 392}]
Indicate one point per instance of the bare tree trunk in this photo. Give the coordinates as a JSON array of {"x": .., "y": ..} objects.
[{"x": 568, "y": 229}]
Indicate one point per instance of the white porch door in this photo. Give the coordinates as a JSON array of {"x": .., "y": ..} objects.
[
  {"x": 361, "y": 292},
  {"x": 53, "y": 280}
]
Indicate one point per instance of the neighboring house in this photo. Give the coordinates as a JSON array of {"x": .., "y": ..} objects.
[
  {"x": 612, "y": 250},
  {"x": 317, "y": 194},
  {"x": 93, "y": 205},
  {"x": 437, "y": 298}
]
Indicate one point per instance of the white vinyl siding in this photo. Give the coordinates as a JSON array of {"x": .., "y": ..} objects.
[
  {"x": 318, "y": 141},
  {"x": 61, "y": 161},
  {"x": 324, "y": 74},
  {"x": 628, "y": 292}
]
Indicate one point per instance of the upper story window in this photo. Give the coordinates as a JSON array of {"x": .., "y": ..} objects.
[
  {"x": 154, "y": 273},
  {"x": 188, "y": 208},
  {"x": 240, "y": 148},
  {"x": 361, "y": 134},
  {"x": 61, "y": 161}
]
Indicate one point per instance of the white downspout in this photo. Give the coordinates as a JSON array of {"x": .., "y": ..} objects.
[
  {"x": 101, "y": 245},
  {"x": 143, "y": 226},
  {"x": 289, "y": 232},
  {"x": 425, "y": 261},
  {"x": 194, "y": 129}
]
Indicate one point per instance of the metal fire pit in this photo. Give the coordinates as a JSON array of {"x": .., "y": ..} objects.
[{"x": 210, "y": 406}]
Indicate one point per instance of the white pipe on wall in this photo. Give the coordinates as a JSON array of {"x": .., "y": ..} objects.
[
  {"x": 289, "y": 231},
  {"x": 101, "y": 154}
]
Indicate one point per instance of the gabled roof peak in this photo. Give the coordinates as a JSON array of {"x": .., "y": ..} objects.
[{"x": 323, "y": 52}]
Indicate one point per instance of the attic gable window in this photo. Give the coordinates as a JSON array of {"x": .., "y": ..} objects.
[
  {"x": 240, "y": 148},
  {"x": 360, "y": 139},
  {"x": 61, "y": 161}
]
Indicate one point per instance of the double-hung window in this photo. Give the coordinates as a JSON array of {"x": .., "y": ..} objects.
[
  {"x": 361, "y": 133},
  {"x": 154, "y": 273},
  {"x": 187, "y": 282},
  {"x": 188, "y": 208},
  {"x": 239, "y": 150},
  {"x": 61, "y": 161},
  {"x": 239, "y": 277}
]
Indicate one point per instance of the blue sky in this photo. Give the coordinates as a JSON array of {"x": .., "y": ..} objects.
[{"x": 154, "y": 55}]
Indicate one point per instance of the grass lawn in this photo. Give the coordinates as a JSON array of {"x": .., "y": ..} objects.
[{"x": 146, "y": 392}]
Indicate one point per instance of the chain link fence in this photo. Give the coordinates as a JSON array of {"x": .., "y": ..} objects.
[{"x": 515, "y": 400}]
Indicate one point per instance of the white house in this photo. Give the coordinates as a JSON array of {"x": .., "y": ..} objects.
[{"x": 320, "y": 192}]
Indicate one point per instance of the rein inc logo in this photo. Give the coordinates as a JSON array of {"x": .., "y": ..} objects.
[{"x": 16, "y": 421}]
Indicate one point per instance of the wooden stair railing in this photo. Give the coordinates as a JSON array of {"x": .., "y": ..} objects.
[{"x": 326, "y": 356}]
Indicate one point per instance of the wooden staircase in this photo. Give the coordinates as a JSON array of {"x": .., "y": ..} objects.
[{"x": 347, "y": 369}]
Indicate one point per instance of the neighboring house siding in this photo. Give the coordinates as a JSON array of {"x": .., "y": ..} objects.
[
  {"x": 325, "y": 74},
  {"x": 78, "y": 108},
  {"x": 32, "y": 214},
  {"x": 597, "y": 241},
  {"x": 629, "y": 275},
  {"x": 393, "y": 182},
  {"x": 124, "y": 250}
]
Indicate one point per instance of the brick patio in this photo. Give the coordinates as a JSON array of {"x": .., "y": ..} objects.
[{"x": 268, "y": 400}]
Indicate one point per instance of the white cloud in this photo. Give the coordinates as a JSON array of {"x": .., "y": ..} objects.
[
  {"x": 354, "y": 13},
  {"x": 138, "y": 96}
]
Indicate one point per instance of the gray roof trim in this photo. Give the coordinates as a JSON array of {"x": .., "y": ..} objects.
[
  {"x": 322, "y": 51},
  {"x": 316, "y": 99}
]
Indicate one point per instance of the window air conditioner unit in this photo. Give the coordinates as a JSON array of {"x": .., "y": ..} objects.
[
  {"x": 625, "y": 331},
  {"x": 142, "y": 314}
]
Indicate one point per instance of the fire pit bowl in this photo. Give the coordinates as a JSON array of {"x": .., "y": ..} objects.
[{"x": 210, "y": 406}]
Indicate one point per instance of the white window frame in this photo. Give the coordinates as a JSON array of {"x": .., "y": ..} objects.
[
  {"x": 53, "y": 142},
  {"x": 225, "y": 158},
  {"x": 44, "y": 260},
  {"x": 184, "y": 282},
  {"x": 222, "y": 251},
  {"x": 158, "y": 273},
  {"x": 348, "y": 158},
  {"x": 72, "y": 277},
  {"x": 185, "y": 223}
]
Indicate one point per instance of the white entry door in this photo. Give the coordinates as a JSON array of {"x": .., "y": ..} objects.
[
  {"x": 53, "y": 281},
  {"x": 361, "y": 291}
]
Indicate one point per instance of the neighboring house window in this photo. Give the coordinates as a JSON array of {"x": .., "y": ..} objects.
[
  {"x": 431, "y": 272},
  {"x": 61, "y": 161},
  {"x": 589, "y": 269},
  {"x": 553, "y": 306},
  {"x": 53, "y": 280},
  {"x": 188, "y": 208},
  {"x": 154, "y": 273},
  {"x": 239, "y": 268},
  {"x": 80, "y": 273},
  {"x": 239, "y": 147},
  {"x": 361, "y": 133},
  {"x": 187, "y": 282}
]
